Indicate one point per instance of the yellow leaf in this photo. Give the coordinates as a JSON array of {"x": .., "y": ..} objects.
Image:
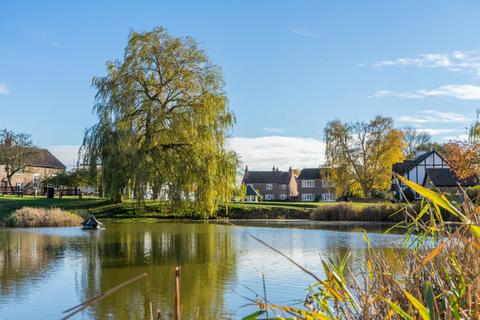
[{"x": 422, "y": 310}]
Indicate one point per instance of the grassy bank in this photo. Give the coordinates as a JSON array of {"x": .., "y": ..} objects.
[{"x": 341, "y": 211}]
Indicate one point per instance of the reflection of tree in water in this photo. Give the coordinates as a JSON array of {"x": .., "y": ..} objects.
[
  {"x": 204, "y": 252},
  {"x": 25, "y": 257}
]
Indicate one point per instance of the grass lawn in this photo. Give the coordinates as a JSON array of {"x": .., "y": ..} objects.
[
  {"x": 8, "y": 204},
  {"x": 153, "y": 209}
]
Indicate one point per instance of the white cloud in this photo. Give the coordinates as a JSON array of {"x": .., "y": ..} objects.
[
  {"x": 388, "y": 93},
  {"x": 461, "y": 137},
  {"x": 434, "y": 116},
  {"x": 303, "y": 32},
  {"x": 4, "y": 89},
  {"x": 262, "y": 153},
  {"x": 437, "y": 132},
  {"x": 458, "y": 91},
  {"x": 273, "y": 130},
  {"x": 67, "y": 154},
  {"x": 466, "y": 61}
]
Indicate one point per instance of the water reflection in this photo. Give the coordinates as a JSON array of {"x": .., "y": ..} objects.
[{"x": 44, "y": 271}]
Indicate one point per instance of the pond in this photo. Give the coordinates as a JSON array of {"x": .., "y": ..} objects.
[{"x": 48, "y": 270}]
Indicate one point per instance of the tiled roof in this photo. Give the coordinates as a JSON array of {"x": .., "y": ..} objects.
[
  {"x": 402, "y": 167},
  {"x": 266, "y": 177},
  {"x": 444, "y": 177},
  {"x": 312, "y": 173},
  {"x": 46, "y": 159}
]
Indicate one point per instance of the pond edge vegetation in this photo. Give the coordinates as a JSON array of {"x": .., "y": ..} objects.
[{"x": 438, "y": 277}]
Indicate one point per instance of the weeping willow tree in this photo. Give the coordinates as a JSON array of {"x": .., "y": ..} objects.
[
  {"x": 163, "y": 119},
  {"x": 474, "y": 131}
]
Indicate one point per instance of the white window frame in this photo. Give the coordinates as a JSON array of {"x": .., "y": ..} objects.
[
  {"x": 308, "y": 183},
  {"x": 284, "y": 187},
  {"x": 327, "y": 183},
  {"x": 308, "y": 197},
  {"x": 269, "y": 186},
  {"x": 329, "y": 197},
  {"x": 283, "y": 196},
  {"x": 269, "y": 197},
  {"x": 34, "y": 184}
]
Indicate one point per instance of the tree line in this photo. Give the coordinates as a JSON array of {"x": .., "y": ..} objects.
[
  {"x": 163, "y": 121},
  {"x": 361, "y": 154}
]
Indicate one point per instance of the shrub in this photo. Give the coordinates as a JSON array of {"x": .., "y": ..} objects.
[{"x": 42, "y": 217}]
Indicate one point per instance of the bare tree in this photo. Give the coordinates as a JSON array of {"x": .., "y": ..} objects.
[
  {"x": 415, "y": 140},
  {"x": 16, "y": 153}
]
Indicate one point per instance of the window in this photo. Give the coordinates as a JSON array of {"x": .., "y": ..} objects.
[
  {"x": 308, "y": 183},
  {"x": 36, "y": 181},
  {"x": 327, "y": 183},
  {"x": 329, "y": 197},
  {"x": 269, "y": 197},
  {"x": 269, "y": 186},
  {"x": 283, "y": 196},
  {"x": 284, "y": 187},
  {"x": 308, "y": 197}
]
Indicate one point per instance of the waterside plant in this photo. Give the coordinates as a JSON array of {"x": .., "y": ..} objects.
[
  {"x": 41, "y": 217},
  {"x": 435, "y": 276}
]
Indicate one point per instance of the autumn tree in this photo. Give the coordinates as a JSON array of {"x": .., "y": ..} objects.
[
  {"x": 464, "y": 158},
  {"x": 415, "y": 140},
  {"x": 163, "y": 119},
  {"x": 16, "y": 153},
  {"x": 361, "y": 154}
]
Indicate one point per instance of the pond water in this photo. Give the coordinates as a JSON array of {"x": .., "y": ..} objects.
[{"x": 48, "y": 270}]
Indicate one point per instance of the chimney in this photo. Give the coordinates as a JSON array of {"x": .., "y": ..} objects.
[
  {"x": 273, "y": 169},
  {"x": 246, "y": 168},
  {"x": 290, "y": 170}
]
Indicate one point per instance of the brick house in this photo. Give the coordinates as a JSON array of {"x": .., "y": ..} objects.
[
  {"x": 272, "y": 185},
  {"x": 43, "y": 165},
  {"x": 314, "y": 185}
]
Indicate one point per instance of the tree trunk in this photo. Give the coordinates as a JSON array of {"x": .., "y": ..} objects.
[{"x": 9, "y": 181}]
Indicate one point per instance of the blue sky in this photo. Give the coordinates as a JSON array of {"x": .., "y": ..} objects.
[{"x": 290, "y": 66}]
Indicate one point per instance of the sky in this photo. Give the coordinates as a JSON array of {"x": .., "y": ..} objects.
[{"x": 290, "y": 67}]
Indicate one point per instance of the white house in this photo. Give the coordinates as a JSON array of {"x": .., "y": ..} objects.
[{"x": 416, "y": 170}]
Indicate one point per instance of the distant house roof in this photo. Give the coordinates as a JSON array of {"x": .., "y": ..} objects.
[
  {"x": 309, "y": 173},
  {"x": 312, "y": 173},
  {"x": 46, "y": 159},
  {"x": 251, "y": 191},
  {"x": 444, "y": 177},
  {"x": 402, "y": 167},
  {"x": 266, "y": 177}
]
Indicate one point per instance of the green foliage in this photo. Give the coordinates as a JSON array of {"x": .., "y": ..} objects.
[
  {"x": 163, "y": 119},
  {"x": 16, "y": 152},
  {"x": 71, "y": 178}
]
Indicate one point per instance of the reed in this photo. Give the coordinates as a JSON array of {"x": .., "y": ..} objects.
[
  {"x": 42, "y": 217},
  {"x": 435, "y": 276},
  {"x": 350, "y": 211}
]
